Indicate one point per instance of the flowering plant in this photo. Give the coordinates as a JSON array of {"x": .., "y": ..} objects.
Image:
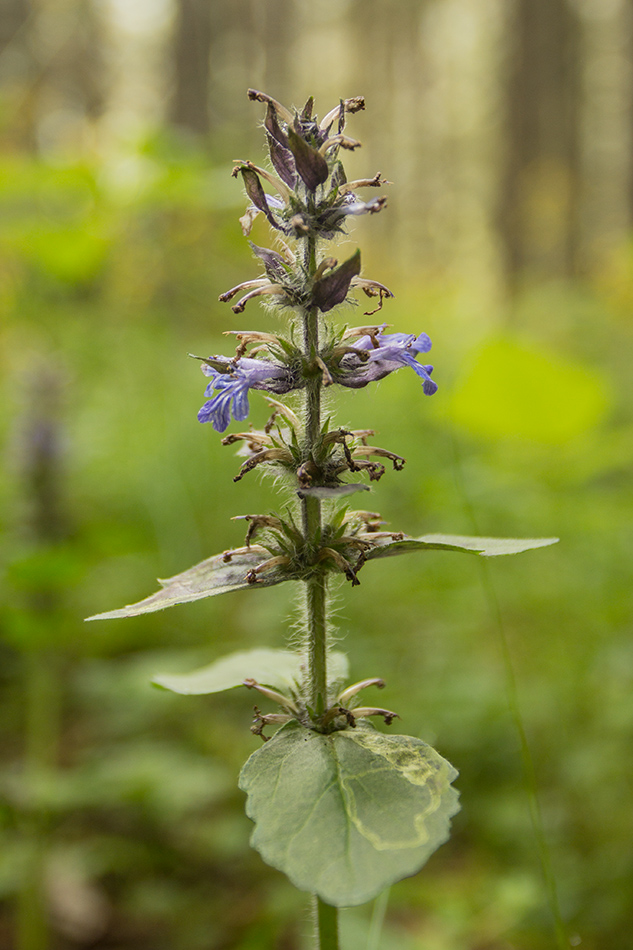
[{"x": 341, "y": 807}]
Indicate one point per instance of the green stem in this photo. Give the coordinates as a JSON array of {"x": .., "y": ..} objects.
[
  {"x": 317, "y": 642},
  {"x": 311, "y": 507},
  {"x": 316, "y": 590},
  {"x": 310, "y": 349},
  {"x": 327, "y": 926},
  {"x": 377, "y": 920},
  {"x": 311, "y": 518}
]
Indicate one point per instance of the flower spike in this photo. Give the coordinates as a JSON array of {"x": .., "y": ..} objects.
[{"x": 343, "y": 808}]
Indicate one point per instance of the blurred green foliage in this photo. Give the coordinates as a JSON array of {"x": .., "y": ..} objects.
[{"x": 119, "y": 801}]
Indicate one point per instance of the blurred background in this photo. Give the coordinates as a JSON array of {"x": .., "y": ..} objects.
[{"x": 507, "y": 131}]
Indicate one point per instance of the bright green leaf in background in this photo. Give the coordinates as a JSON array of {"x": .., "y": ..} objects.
[
  {"x": 54, "y": 219},
  {"x": 71, "y": 254},
  {"x": 318, "y": 803},
  {"x": 513, "y": 389}
]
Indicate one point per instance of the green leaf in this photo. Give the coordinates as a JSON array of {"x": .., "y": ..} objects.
[
  {"x": 486, "y": 547},
  {"x": 336, "y": 491},
  {"x": 210, "y": 577},
  {"x": 345, "y": 815},
  {"x": 280, "y": 669}
]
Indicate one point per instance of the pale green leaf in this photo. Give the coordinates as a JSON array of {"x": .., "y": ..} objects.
[
  {"x": 486, "y": 547},
  {"x": 280, "y": 669},
  {"x": 213, "y": 576},
  {"x": 345, "y": 815},
  {"x": 336, "y": 491}
]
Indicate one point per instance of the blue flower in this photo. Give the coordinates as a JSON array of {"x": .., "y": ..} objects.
[
  {"x": 231, "y": 389},
  {"x": 383, "y": 353}
]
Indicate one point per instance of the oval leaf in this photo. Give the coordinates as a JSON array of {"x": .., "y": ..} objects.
[
  {"x": 486, "y": 547},
  {"x": 210, "y": 577},
  {"x": 281, "y": 669},
  {"x": 324, "y": 811}
]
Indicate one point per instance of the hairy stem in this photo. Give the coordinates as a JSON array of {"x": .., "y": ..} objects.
[
  {"x": 316, "y": 591},
  {"x": 311, "y": 350},
  {"x": 311, "y": 507},
  {"x": 327, "y": 926},
  {"x": 317, "y": 642}
]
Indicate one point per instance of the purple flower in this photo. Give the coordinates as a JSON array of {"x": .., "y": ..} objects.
[
  {"x": 231, "y": 388},
  {"x": 393, "y": 351}
]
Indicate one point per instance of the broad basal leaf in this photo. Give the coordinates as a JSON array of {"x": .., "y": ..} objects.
[
  {"x": 214, "y": 576},
  {"x": 486, "y": 547},
  {"x": 345, "y": 815},
  {"x": 281, "y": 669}
]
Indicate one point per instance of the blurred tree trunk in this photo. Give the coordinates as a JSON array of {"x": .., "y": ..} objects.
[
  {"x": 14, "y": 16},
  {"x": 276, "y": 28},
  {"x": 16, "y": 68},
  {"x": 191, "y": 52},
  {"x": 75, "y": 65},
  {"x": 219, "y": 50},
  {"x": 538, "y": 205},
  {"x": 54, "y": 66},
  {"x": 389, "y": 72}
]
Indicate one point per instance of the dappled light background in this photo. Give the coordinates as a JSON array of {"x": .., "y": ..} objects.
[{"x": 507, "y": 131}]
